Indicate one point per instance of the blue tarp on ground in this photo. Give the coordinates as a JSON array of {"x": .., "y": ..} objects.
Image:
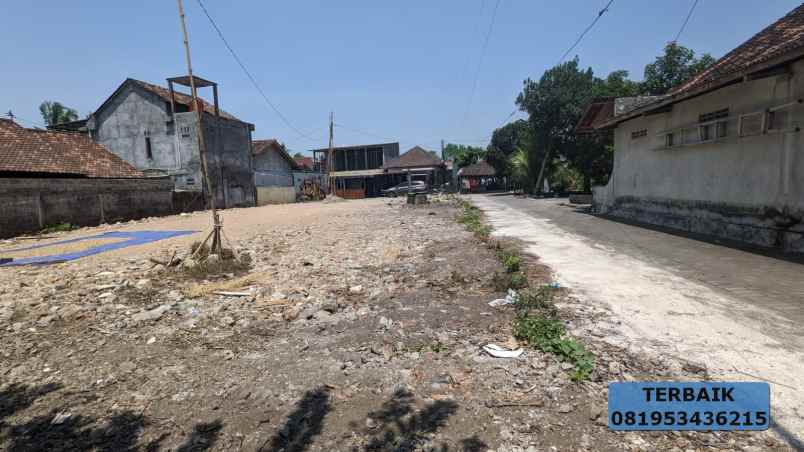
[{"x": 134, "y": 238}]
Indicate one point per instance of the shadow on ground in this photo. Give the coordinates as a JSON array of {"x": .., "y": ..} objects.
[{"x": 60, "y": 430}]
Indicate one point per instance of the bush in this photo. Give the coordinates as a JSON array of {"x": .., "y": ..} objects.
[
  {"x": 548, "y": 335},
  {"x": 504, "y": 281},
  {"x": 540, "y": 300}
]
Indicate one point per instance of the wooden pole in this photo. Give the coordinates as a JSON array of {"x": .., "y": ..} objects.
[
  {"x": 202, "y": 147},
  {"x": 331, "y": 153}
]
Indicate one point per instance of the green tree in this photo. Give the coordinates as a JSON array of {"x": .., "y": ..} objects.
[
  {"x": 298, "y": 155},
  {"x": 54, "y": 113},
  {"x": 675, "y": 66},
  {"x": 463, "y": 155},
  {"x": 555, "y": 104},
  {"x": 504, "y": 143}
]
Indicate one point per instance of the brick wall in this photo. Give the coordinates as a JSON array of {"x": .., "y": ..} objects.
[{"x": 30, "y": 205}]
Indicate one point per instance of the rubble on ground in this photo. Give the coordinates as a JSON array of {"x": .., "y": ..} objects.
[{"x": 355, "y": 330}]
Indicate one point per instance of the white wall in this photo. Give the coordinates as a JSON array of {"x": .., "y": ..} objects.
[
  {"x": 763, "y": 170},
  {"x": 275, "y": 195}
]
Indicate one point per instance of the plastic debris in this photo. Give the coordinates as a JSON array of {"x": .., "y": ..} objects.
[
  {"x": 511, "y": 298},
  {"x": 501, "y": 352}
]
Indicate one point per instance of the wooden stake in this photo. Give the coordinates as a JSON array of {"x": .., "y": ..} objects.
[{"x": 202, "y": 147}]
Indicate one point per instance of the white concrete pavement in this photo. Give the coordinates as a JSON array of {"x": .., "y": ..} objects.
[{"x": 657, "y": 305}]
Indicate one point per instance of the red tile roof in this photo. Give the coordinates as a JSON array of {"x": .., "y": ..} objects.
[
  {"x": 597, "y": 111},
  {"x": 305, "y": 162},
  {"x": 783, "y": 36},
  {"x": 415, "y": 157},
  {"x": 779, "y": 43},
  {"x": 481, "y": 168},
  {"x": 44, "y": 151}
]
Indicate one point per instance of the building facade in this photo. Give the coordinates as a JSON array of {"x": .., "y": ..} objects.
[
  {"x": 155, "y": 130},
  {"x": 273, "y": 173},
  {"x": 358, "y": 170},
  {"x": 722, "y": 154}
]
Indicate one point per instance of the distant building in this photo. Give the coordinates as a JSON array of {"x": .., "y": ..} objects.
[
  {"x": 478, "y": 177},
  {"x": 358, "y": 170},
  {"x": 49, "y": 178},
  {"x": 720, "y": 155},
  {"x": 155, "y": 129},
  {"x": 273, "y": 173},
  {"x": 420, "y": 163}
]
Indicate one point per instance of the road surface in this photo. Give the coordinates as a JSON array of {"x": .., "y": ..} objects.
[{"x": 739, "y": 313}]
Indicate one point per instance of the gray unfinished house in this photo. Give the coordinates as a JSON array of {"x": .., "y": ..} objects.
[
  {"x": 154, "y": 129},
  {"x": 273, "y": 173}
]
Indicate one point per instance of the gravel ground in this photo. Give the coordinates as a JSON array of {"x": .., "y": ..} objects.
[{"x": 358, "y": 326}]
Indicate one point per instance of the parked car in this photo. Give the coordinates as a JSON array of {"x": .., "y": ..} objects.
[{"x": 402, "y": 189}]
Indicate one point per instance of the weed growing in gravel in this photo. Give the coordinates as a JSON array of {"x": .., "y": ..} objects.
[
  {"x": 537, "y": 323},
  {"x": 470, "y": 217},
  {"x": 505, "y": 280},
  {"x": 537, "y": 320},
  {"x": 203, "y": 267},
  {"x": 61, "y": 227},
  {"x": 509, "y": 259}
]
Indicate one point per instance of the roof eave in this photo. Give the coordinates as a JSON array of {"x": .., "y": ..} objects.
[{"x": 713, "y": 85}]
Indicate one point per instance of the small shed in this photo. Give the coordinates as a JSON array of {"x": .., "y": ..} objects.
[
  {"x": 478, "y": 177},
  {"x": 420, "y": 163},
  {"x": 273, "y": 172}
]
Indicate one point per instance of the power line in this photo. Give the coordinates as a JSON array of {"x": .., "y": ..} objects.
[
  {"x": 684, "y": 25},
  {"x": 253, "y": 81},
  {"x": 480, "y": 62},
  {"x": 578, "y": 41}
]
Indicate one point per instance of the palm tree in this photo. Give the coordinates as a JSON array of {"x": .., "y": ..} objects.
[{"x": 55, "y": 113}]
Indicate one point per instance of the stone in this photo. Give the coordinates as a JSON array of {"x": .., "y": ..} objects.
[
  {"x": 60, "y": 418},
  {"x": 565, "y": 408},
  {"x": 143, "y": 284},
  {"x": 330, "y": 306},
  {"x": 152, "y": 340},
  {"x": 212, "y": 259},
  {"x": 291, "y": 313},
  {"x": 153, "y": 314},
  {"x": 356, "y": 289},
  {"x": 595, "y": 411}
]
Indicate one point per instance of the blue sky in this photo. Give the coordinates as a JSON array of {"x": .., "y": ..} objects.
[{"x": 391, "y": 71}]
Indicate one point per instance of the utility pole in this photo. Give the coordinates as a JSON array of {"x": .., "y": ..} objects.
[
  {"x": 202, "y": 147},
  {"x": 442, "y": 149},
  {"x": 331, "y": 153}
]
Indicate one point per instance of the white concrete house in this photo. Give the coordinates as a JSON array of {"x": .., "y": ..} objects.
[{"x": 723, "y": 154}]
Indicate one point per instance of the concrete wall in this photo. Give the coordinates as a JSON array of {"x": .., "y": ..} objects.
[
  {"x": 300, "y": 176},
  {"x": 30, "y": 205},
  {"x": 749, "y": 188},
  {"x": 271, "y": 169},
  {"x": 231, "y": 168},
  {"x": 275, "y": 195},
  {"x": 135, "y": 114}
]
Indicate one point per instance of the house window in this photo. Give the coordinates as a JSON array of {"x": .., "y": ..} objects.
[
  {"x": 148, "y": 151},
  {"x": 713, "y": 125},
  {"x": 189, "y": 181},
  {"x": 639, "y": 134},
  {"x": 669, "y": 140},
  {"x": 751, "y": 124},
  {"x": 777, "y": 120}
]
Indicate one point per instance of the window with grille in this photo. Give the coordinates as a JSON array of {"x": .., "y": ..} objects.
[
  {"x": 639, "y": 134},
  {"x": 713, "y": 125},
  {"x": 751, "y": 124},
  {"x": 777, "y": 120}
]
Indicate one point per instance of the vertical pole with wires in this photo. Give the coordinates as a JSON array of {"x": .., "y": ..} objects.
[
  {"x": 202, "y": 149},
  {"x": 331, "y": 153}
]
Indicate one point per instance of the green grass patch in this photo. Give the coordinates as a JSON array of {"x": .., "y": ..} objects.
[
  {"x": 549, "y": 336},
  {"x": 504, "y": 280},
  {"x": 61, "y": 227}
]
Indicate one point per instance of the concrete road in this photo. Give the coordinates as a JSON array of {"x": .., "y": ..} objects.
[{"x": 741, "y": 314}]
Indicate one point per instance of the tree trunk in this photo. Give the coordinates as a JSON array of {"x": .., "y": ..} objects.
[{"x": 540, "y": 179}]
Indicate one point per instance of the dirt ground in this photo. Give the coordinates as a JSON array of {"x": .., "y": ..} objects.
[{"x": 357, "y": 326}]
